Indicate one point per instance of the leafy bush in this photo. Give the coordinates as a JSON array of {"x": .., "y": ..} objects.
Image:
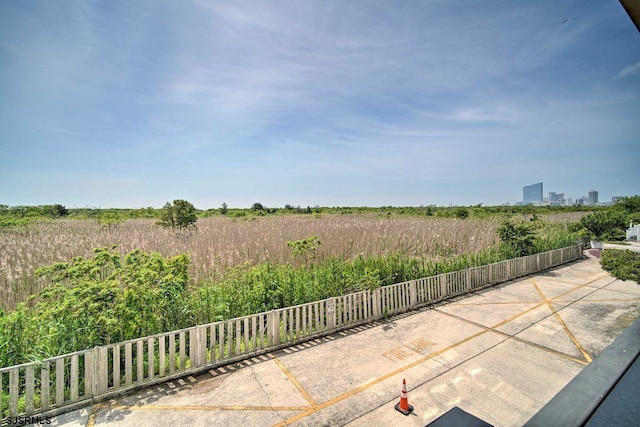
[
  {"x": 18, "y": 223},
  {"x": 629, "y": 204},
  {"x": 305, "y": 248},
  {"x": 517, "y": 237},
  {"x": 604, "y": 224},
  {"x": 622, "y": 264},
  {"x": 461, "y": 212},
  {"x": 96, "y": 301},
  {"x": 554, "y": 236}
]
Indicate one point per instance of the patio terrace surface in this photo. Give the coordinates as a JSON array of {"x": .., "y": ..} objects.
[{"x": 500, "y": 353}]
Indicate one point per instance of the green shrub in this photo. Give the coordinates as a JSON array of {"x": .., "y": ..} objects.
[
  {"x": 461, "y": 212},
  {"x": 305, "y": 248},
  {"x": 517, "y": 237},
  {"x": 604, "y": 224},
  {"x": 622, "y": 264},
  {"x": 96, "y": 301}
]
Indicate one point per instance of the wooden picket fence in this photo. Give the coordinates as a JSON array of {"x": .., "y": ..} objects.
[{"x": 69, "y": 381}]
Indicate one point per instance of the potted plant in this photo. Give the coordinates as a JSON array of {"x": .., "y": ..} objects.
[{"x": 600, "y": 224}]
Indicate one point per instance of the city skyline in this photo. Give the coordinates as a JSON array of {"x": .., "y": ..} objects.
[
  {"x": 534, "y": 193},
  {"x": 551, "y": 198},
  {"x": 332, "y": 103}
]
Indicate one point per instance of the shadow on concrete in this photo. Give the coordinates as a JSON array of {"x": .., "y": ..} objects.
[{"x": 604, "y": 393}]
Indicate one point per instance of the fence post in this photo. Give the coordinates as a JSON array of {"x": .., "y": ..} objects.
[
  {"x": 273, "y": 327},
  {"x": 29, "y": 389},
  {"x": 413, "y": 293},
  {"x": 101, "y": 366},
  {"x": 193, "y": 359},
  {"x": 197, "y": 346},
  {"x": 202, "y": 335},
  {"x": 468, "y": 279},
  {"x": 14, "y": 375},
  {"x": 375, "y": 303},
  {"x": 330, "y": 313},
  {"x": 91, "y": 369}
]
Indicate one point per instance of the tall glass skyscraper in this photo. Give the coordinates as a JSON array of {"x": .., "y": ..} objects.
[{"x": 532, "y": 193}]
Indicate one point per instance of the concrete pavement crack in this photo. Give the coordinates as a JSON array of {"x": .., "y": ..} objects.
[
  {"x": 440, "y": 362},
  {"x": 255, "y": 375}
]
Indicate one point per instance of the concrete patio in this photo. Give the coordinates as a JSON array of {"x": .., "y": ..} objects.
[{"x": 500, "y": 354}]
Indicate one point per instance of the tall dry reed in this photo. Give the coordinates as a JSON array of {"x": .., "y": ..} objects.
[{"x": 220, "y": 242}]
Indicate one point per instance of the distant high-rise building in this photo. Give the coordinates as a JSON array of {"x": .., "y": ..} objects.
[
  {"x": 593, "y": 197},
  {"x": 532, "y": 193},
  {"x": 556, "y": 198}
]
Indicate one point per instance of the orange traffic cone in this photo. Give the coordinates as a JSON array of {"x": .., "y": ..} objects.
[{"x": 403, "y": 406}]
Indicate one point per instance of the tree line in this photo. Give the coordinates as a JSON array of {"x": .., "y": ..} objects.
[{"x": 182, "y": 215}]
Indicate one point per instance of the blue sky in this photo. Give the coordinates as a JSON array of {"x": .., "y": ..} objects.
[{"x": 331, "y": 102}]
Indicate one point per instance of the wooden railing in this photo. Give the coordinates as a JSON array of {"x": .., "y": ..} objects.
[{"x": 62, "y": 383}]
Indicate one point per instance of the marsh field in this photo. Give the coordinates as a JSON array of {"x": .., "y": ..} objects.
[
  {"x": 220, "y": 243},
  {"x": 148, "y": 279}
]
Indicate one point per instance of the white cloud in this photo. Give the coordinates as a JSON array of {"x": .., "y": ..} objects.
[
  {"x": 319, "y": 91},
  {"x": 629, "y": 70}
]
